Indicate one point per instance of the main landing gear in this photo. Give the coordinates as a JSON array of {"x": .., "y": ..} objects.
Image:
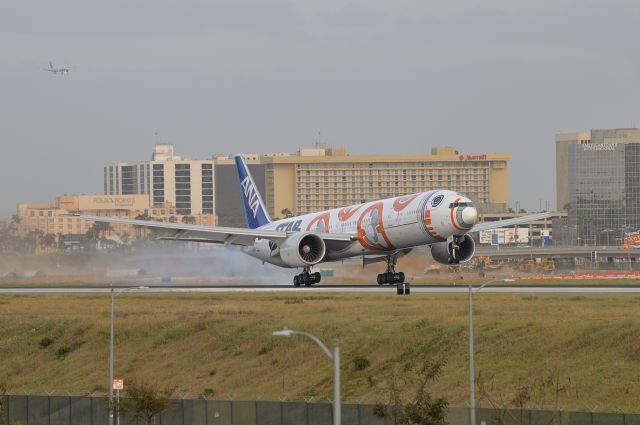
[
  {"x": 306, "y": 278},
  {"x": 390, "y": 277}
]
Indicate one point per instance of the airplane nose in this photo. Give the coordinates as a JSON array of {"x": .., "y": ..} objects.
[{"x": 470, "y": 216}]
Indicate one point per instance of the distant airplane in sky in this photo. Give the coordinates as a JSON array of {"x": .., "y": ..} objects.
[
  {"x": 382, "y": 230},
  {"x": 58, "y": 70}
]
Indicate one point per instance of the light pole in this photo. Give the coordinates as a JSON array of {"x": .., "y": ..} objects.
[
  {"x": 472, "y": 383},
  {"x": 114, "y": 294},
  {"x": 335, "y": 357}
]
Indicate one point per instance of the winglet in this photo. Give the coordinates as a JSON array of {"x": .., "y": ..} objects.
[{"x": 255, "y": 213}]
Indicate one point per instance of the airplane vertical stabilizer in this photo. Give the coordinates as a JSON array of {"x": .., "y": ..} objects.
[{"x": 255, "y": 213}]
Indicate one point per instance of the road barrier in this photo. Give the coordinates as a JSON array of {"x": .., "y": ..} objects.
[{"x": 61, "y": 410}]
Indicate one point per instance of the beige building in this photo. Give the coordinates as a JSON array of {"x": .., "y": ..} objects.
[
  {"x": 322, "y": 178},
  {"x": 54, "y": 219},
  {"x": 186, "y": 183}
]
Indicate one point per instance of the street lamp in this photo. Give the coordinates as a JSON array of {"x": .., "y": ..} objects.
[
  {"x": 114, "y": 294},
  {"x": 472, "y": 383},
  {"x": 335, "y": 357}
]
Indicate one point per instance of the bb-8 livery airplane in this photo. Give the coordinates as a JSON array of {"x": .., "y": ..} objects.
[{"x": 381, "y": 230}]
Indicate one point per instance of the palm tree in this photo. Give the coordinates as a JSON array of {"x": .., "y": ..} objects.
[
  {"x": 97, "y": 230},
  {"x": 286, "y": 212},
  {"x": 48, "y": 240},
  {"x": 188, "y": 219},
  {"x": 144, "y": 216}
]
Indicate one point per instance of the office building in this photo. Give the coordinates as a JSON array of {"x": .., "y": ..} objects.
[
  {"x": 228, "y": 202},
  {"x": 187, "y": 184},
  {"x": 599, "y": 184},
  {"x": 322, "y": 178}
]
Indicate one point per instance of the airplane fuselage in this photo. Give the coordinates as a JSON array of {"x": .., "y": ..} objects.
[{"x": 380, "y": 227}]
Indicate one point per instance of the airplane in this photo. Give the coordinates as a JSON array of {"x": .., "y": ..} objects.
[
  {"x": 59, "y": 70},
  {"x": 377, "y": 231}
]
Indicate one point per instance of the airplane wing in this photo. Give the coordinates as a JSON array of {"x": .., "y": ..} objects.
[
  {"x": 222, "y": 235},
  {"x": 509, "y": 222}
]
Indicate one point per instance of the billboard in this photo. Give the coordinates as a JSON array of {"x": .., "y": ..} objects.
[
  {"x": 632, "y": 239},
  {"x": 504, "y": 236}
]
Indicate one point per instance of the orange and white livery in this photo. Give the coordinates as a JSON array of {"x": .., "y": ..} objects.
[{"x": 381, "y": 230}]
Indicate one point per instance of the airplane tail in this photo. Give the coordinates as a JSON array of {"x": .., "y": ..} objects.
[
  {"x": 255, "y": 213},
  {"x": 50, "y": 65}
]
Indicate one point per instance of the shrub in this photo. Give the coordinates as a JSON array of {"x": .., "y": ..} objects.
[
  {"x": 63, "y": 350},
  {"x": 360, "y": 363},
  {"x": 263, "y": 350},
  {"x": 213, "y": 371},
  {"x": 146, "y": 401},
  {"x": 207, "y": 392},
  {"x": 45, "y": 342},
  {"x": 423, "y": 408}
]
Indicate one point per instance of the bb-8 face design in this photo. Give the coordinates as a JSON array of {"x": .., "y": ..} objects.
[{"x": 371, "y": 233}]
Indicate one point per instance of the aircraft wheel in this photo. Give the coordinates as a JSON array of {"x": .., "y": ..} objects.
[
  {"x": 380, "y": 279},
  {"x": 296, "y": 281},
  {"x": 317, "y": 277},
  {"x": 390, "y": 278},
  {"x": 306, "y": 279},
  {"x": 401, "y": 277}
]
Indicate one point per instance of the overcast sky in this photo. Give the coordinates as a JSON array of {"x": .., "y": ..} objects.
[{"x": 374, "y": 76}]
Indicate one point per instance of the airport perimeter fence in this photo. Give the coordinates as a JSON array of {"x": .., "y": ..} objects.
[{"x": 62, "y": 410}]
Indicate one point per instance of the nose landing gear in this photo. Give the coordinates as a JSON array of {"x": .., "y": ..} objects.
[{"x": 306, "y": 278}]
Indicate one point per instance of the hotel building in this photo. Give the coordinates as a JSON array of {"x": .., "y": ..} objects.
[
  {"x": 187, "y": 184},
  {"x": 322, "y": 178}
]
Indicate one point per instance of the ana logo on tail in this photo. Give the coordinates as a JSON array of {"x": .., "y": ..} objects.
[{"x": 251, "y": 195}]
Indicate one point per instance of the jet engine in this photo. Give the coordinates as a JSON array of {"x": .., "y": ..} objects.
[
  {"x": 457, "y": 250},
  {"x": 302, "y": 250}
]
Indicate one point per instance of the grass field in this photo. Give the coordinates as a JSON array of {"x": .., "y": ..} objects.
[{"x": 224, "y": 343}]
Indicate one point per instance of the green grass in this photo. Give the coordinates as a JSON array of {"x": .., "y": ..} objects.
[{"x": 222, "y": 344}]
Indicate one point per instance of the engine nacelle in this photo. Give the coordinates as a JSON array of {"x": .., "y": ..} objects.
[
  {"x": 458, "y": 250},
  {"x": 302, "y": 250}
]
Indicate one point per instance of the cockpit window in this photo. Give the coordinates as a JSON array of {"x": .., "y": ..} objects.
[{"x": 460, "y": 204}]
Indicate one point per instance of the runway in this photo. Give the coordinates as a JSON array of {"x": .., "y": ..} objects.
[{"x": 390, "y": 290}]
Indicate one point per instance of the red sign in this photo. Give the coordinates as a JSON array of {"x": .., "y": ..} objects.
[
  {"x": 473, "y": 157},
  {"x": 118, "y": 384},
  {"x": 632, "y": 239}
]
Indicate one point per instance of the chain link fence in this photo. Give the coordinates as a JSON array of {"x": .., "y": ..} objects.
[{"x": 70, "y": 410}]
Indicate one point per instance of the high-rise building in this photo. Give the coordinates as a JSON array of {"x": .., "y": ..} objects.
[
  {"x": 188, "y": 184},
  {"x": 563, "y": 141},
  {"x": 322, "y": 178},
  {"x": 228, "y": 202},
  {"x": 599, "y": 184}
]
